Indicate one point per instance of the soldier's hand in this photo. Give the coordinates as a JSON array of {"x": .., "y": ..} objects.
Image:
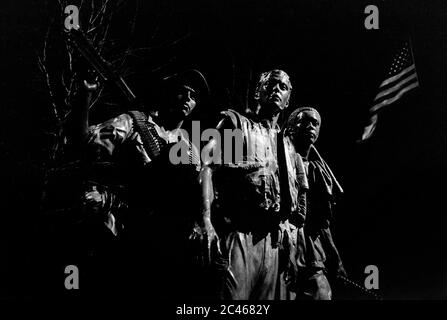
[
  {"x": 207, "y": 241},
  {"x": 90, "y": 86},
  {"x": 93, "y": 201}
]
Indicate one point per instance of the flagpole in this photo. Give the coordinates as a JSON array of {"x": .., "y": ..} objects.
[{"x": 412, "y": 57}]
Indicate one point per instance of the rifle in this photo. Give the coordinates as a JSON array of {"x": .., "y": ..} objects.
[
  {"x": 78, "y": 39},
  {"x": 357, "y": 287}
]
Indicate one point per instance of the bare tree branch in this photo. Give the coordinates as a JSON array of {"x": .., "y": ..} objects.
[
  {"x": 42, "y": 61},
  {"x": 96, "y": 98},
  {"x": 92, "y": 10},
  {"x": 101, "y": 11},
  {"x": 131, "y": 34}
]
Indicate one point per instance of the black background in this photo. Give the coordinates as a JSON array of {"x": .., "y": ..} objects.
[{"x": 393, "y": 213}]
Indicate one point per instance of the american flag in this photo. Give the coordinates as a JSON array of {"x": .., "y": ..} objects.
[{"x": 401, "y": 78}]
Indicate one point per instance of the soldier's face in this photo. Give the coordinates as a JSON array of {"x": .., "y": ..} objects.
[
  {"x": 308, "y": 127},
  {"x": 184, "y": 101},
  {"x": 187, "y": 99},
  {"x": 275, "y": 92}
]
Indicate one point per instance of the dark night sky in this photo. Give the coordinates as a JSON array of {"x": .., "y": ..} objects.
[{"x": 393, "y": 213}]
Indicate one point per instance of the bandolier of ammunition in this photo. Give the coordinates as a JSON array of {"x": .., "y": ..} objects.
[{"x": 151, "y": 140}]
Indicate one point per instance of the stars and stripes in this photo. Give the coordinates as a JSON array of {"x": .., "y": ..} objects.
[{"x": 401, "y": 78}]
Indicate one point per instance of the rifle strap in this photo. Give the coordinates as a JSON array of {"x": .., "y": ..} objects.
[
  {"x": 286, "y": 197},
  {"x": 152, "y": 142},
  {"x": 354, "y": 284}
]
